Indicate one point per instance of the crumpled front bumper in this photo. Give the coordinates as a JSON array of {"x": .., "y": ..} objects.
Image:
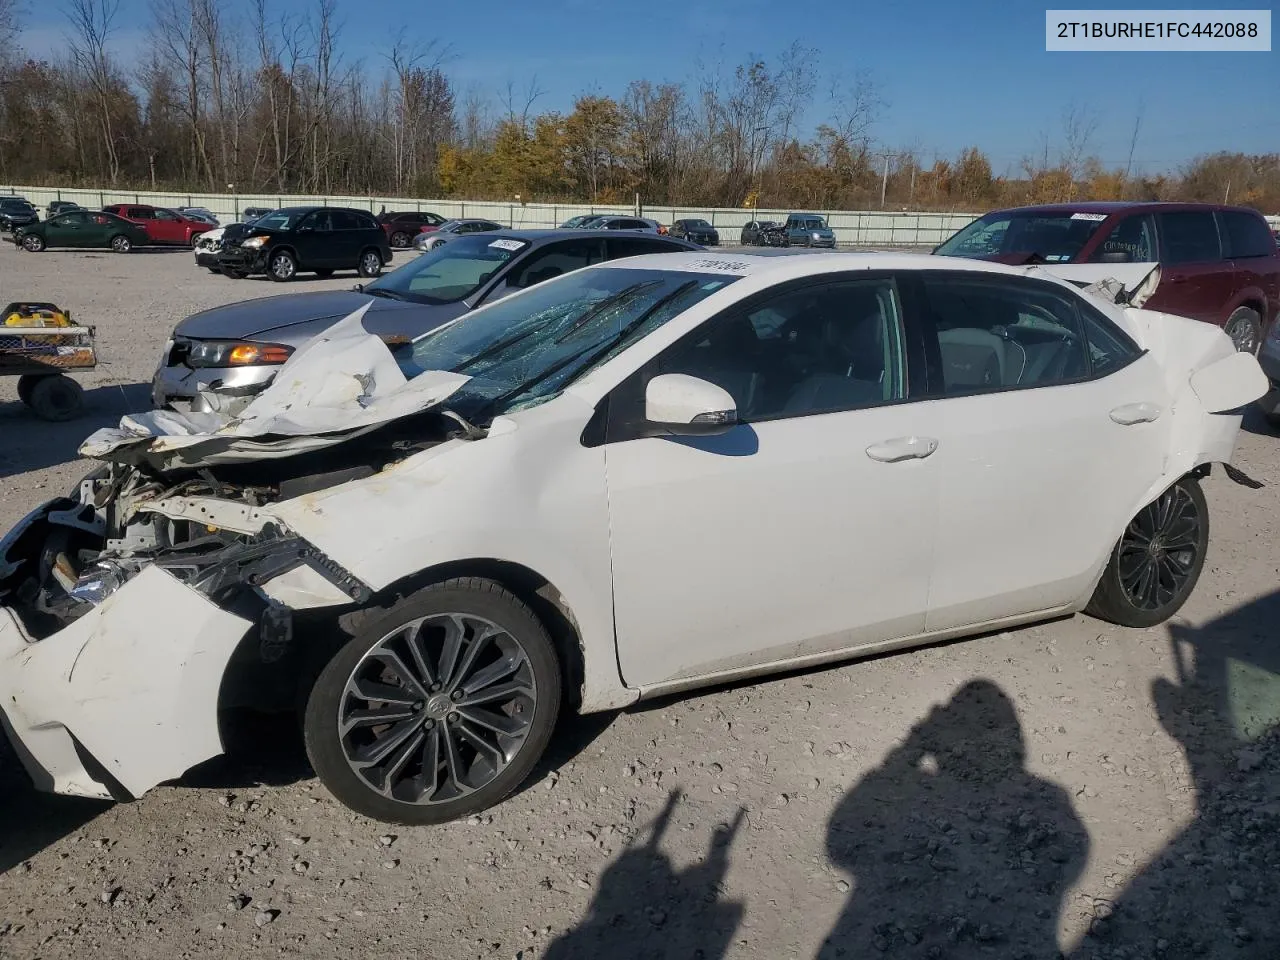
[{"x": 125, "y": 697}]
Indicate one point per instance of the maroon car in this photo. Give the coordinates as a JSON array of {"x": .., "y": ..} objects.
[
  {"x": 401, "y": 228},
  {"x": 163, "y": 226},
  {"x": 1218, "y": 264}
]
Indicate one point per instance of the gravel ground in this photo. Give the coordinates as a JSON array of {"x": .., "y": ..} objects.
[{"x": 1071, "y": 787}]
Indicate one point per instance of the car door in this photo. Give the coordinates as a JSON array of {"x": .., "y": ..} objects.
[
  {"x": 808, "y": 527},
  {"x": 313, "y": 241},
  {"x": 1051, "y": 425},
  {"x": 98, "y": 229},
  {"x": 347, "y": 238},
  {"x": 1196, "y": 278},
  {"x": 66, "y": 230},
  {"x": 144, "y": 218},
  {"x": 1255, "y": 261}
]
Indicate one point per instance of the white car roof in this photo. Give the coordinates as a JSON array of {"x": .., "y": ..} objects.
[{"x": 786, "y": 266}]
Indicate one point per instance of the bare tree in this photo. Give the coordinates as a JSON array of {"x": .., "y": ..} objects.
[
  {"x": 1078, "y": 126},
  {"x": 10, "y": 22},
  {"x": 92, "y": 23}
]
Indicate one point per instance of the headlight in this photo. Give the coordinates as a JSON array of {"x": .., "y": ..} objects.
[
  {"x": 236, "y": 353},
  {"x": 253, "y": 243}
]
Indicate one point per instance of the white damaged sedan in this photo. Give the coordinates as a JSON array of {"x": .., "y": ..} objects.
[{"x": 639, "y": 477}]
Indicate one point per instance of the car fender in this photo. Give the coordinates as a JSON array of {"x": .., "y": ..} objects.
[
  {"x": 1209, "y": 383},
  {"x": 528, "y": 493}
]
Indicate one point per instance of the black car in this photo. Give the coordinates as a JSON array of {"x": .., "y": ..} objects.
[
  {"x": 250, "y": 214},
  {"x": 467, "y": 272},
  {"x": 695, "y": 231},
  {"x": 56, "y": 207},
  {"x": 17, "y": 212},
  {"x": 761, "y": 233},
  {"x": 316, "y": 240},
  {"x": 401, "y": 228}
]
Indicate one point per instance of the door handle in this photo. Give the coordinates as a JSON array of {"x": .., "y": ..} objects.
[
  {"x": 902, "y": 448},
  {"x": 1132, "y": 413}
]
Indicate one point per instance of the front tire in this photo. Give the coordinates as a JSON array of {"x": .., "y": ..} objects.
[
  {"x": 370, "y": 264},
  {"x": 32, "y": 244},
  {"x": 437, "y": 709},
  {"x": 282, "y": 267},
  {"x": 1157, "y": 561},
  {"x": 1244, "y": 327}
]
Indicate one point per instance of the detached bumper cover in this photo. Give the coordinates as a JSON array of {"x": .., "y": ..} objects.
[{"x": 134, "y": 683}]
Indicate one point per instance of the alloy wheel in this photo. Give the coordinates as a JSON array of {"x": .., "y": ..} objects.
[
  {"x": 1243, "y": 334},
  {"x": 1157, "y": 554},
  {"x": 371, "y": 265},
  {"x": 283, "y": 267},
  {"x": 437, "y": 708}
]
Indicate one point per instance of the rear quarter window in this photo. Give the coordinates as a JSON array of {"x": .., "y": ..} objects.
[
  {"x": 1189, "y": 236},
  {"x": 1246, "y": 234}
]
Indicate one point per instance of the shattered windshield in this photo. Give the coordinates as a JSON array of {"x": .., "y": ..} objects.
[
  {"x": 526, "y": 349},
  {"x": 1054, "y": 237}
]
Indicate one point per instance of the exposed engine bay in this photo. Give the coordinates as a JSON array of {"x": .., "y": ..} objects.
[{"x": 204, "y": 526}]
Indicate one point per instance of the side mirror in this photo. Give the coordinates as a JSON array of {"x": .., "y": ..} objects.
[
  {"x": 688, "y": 406},
  {"x": 1116, "y": 256},
  {"x": 358, "y": 288}
]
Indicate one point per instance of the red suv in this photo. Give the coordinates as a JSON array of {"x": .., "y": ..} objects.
[
  {"x": 163, "y": 226},
  {"x": 1217, "y": 264},
  {"x": 401, "y": 228}
]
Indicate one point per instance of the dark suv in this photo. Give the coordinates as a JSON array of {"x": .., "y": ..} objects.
[
  {"x": 401, "y": 228},
  {"x": 315, "y": 240},
  {"x": 17, "y": 212},
  {"x": 1217, "y": 264}
]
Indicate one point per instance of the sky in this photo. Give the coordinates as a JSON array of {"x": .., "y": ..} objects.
[{"x": 951, "y": 73}]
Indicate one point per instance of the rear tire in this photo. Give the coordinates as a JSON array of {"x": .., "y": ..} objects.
[
  {"x": 121, "y": 244},
  {"x": 1156, "y": 563},
  {"x": 432, "y": 761},
  {"x": 400, "y": 240},
  {"x": 25, "y": 384},
  {"x": 56, "y": 398},
  {"x": 1244, "y": 327}
]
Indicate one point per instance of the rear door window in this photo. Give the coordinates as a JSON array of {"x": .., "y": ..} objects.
[
  {"x": 556, "y": 259},
  {"x": 619, "y": 247},
  {"x": 1247, "y": 235},
  {"x": 342, "y": 220},
  {"x": 1134, "y": 236},
  {"x": 1189, "y": 236}
]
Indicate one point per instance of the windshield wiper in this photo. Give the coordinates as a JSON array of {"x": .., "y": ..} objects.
[
  {"x": 625, "y": 295},
  {"x": 380, "y": 292},
  {"x": 593, "y": 356}
]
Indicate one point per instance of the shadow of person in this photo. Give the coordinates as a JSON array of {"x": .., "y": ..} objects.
[
  {"x": 644, "y": 908},
  {"x": 956, "y": 850},
  {"x": 1213, "y": 890}
]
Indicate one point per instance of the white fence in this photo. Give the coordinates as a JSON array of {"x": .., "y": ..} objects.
[{"x": 852, "y": 227}]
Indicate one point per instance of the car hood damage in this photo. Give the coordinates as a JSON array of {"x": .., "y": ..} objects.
[{"x": 339, "y": 385}]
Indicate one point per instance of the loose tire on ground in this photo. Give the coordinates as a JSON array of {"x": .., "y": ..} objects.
[
  {"x": 351, "y": 735},
  {"x": 1167, "y": 540}
]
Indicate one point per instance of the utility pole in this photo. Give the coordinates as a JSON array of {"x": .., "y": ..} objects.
[{"x": 884, "y": 182}]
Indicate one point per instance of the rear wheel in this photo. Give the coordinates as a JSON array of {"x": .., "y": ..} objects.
[
  {"x": 31, "y": 243},
  {"x": 282, "y": 267},
  {"x": 438, "y": 708},
  {"x": 1244, "y": 327},
  {"x": 370, "y": 264},
  {"x": 1157, "y": 561},
  {"x": 121, "y": 244},
  {"x": 400, "y": 240}
]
